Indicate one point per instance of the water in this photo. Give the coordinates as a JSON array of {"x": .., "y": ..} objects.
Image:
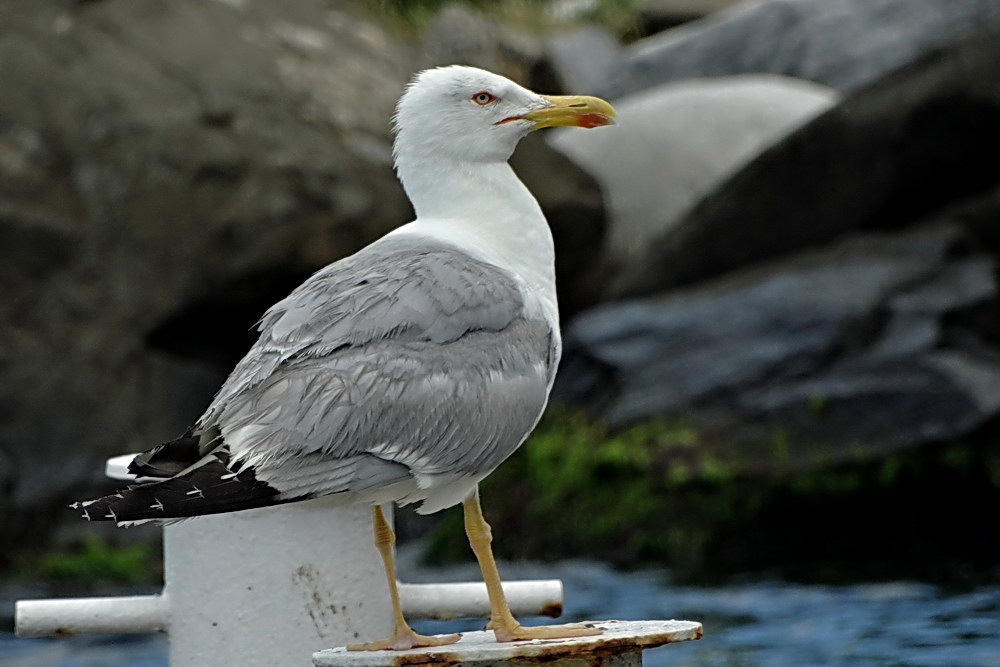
[
  {"x": 775, "y": 622},
  {"x": 760, "y": 623}
]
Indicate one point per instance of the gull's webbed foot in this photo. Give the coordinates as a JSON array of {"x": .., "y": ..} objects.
[
  {"x": 404, "y": 639},
  {"x": 517, "y": 632}
]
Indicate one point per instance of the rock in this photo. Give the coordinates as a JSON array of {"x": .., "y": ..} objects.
[
  {"x": 856, "y": 350},
  {"x": 676, "y": 143},
  {"x": 166, "y": 173},
  {"x": 886, "y": 156},
  {"x": 580, "y": 58},
  {"x": 845, "y": 44},
  {"x": 659, "y": 15},
  {"x": 460, "y": 35},
  {"x": 979, "y": 214}
]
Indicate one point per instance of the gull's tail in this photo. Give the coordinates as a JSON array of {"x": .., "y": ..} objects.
[{"x": 207, "y": 486}]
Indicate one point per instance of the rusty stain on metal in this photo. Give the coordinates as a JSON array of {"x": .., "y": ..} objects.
[
  {"x": 63, "y": 632},
  {"x": 427, "y": 660},
  {"x": 317, "y": 605}
]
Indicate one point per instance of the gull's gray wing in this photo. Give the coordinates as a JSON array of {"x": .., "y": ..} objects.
[
  {"x": 400, "y": 288},
  {"x": 408, "y": 358},
  {"x": 409, "y": 366}
]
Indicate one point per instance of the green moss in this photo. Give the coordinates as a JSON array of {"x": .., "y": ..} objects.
[
  {"x": 993, "y": 466},
  {"x": 663, "y": 492},
  {"x": 859, "y": 452},
  {"x": 95, "y": 560},
  {"x": 957, "y": 456},
  {"x": 817, "y": 404},
  {"x": 889, "y": 470},
  {"x": 587, "y": 485},
  {"x": 716, "y": 470},
  {"x": 781, "y": 446},
  {"x": 678, "y": 474}
]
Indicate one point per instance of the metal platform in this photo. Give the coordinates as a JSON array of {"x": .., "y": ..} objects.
[{"x": 621, "y": 644}]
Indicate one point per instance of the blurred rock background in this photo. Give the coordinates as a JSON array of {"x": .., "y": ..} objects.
[{"x": 778, "y": 276}]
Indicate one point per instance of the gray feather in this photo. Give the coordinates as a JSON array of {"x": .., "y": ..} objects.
[{"x": 410, "y": 357}]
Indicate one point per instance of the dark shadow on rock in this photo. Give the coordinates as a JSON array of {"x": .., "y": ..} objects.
[{"x": 217, "y": 329}]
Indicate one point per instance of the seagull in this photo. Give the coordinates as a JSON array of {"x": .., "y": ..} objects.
[{"x": 408, "y": 371}]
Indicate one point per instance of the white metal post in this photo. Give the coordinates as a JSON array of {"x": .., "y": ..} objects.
[{"x": 269, "y": 586}]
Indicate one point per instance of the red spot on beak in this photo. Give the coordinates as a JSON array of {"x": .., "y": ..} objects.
[{"x": 592, "y": 120}]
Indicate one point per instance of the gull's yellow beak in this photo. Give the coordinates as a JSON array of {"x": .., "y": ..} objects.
[{"x": 574, "y": 110}]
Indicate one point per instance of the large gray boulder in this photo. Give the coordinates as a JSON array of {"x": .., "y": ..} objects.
[
  {"x": 579, "y": 59},
  {"x": 676, "y": 143},
  {"x": 657, "y": 15},
  {"x": 863, "y": 348},
  {"x": 885, "y": 156},
  {"x": 841, "y": 43},
  {"x": 461, "y": 35}
]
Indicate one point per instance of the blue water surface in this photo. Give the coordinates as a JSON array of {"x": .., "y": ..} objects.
[
  {"x": 773, "y": 622},
  {"x": 767, "y": 622}
]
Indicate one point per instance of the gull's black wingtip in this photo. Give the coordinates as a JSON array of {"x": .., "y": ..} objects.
[{"x": 211, "y": 488}]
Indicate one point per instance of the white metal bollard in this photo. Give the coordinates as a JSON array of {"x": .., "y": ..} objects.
[
  {"x": 263, "y": 586},
  {"x": 269, "y": 587}
]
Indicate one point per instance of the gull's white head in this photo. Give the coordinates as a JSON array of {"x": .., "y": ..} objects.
[{"x": 467, "y": 114}]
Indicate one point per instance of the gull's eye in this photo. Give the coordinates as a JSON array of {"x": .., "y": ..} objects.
[{"x": 484, "y": 97}]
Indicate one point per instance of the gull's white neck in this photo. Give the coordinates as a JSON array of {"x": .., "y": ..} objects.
[{"x": 484, "y": 209}]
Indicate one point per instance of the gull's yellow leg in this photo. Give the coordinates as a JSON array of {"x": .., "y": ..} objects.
[
  {"x": 403, "y": 636},
  {"x": 502, "y": 622}
]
